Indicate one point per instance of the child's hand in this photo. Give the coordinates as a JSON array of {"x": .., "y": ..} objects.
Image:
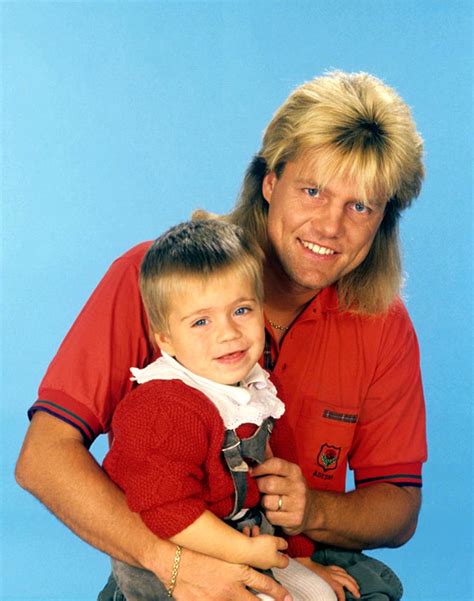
[
  {"x": 337, "y": 578},
  {"x": 255, "y": 531},
  {"x": 265, "y": 552}
]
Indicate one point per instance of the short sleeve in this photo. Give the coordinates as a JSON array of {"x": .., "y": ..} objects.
[
  {"x": 158, "y": 456},
  {"x": 91, "y": 370},
  {"x": 390, "y": 438}
]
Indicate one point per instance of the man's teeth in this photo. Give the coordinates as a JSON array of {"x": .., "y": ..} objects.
[{"x": 318, "y": 250}]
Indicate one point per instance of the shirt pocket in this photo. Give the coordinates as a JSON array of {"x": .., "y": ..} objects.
[{"x": 324, "y": 433}]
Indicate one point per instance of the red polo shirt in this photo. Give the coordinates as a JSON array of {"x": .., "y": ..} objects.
[
  {"x": 353, "y": 393},
  {"x": 351, "y": 384}
]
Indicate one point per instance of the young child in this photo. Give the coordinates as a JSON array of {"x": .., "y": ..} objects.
[{"x": 202, "y": 414}]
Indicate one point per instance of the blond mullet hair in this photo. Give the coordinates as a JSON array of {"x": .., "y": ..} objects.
[{"x": 355, "y": 127}]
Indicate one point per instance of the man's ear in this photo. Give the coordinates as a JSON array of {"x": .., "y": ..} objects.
[
  {"x": 268, "y": 184},
  {"x": 163, "y": 340}
]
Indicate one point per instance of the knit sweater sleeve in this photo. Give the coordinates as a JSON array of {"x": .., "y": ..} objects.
[{"x": 163, "y": 432}]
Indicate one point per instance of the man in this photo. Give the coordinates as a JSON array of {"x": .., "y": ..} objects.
[{"x": 339, "y": 161}]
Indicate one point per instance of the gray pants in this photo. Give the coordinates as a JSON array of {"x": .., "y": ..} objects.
[
  {"x": 377, "y": 581},
  {"x": 136, "y": 584}
]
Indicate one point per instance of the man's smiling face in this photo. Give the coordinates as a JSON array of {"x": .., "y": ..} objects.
[{"x": 318, "y": 234}]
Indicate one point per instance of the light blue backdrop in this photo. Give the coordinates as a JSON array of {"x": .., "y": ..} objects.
[{"x": 118, "y": 118}]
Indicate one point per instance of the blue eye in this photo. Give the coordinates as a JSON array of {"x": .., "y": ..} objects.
[
  {"x": 200, "y": 322},
  {"x": 359, "y": 207},
  {"x": 242, "y": 310},
  {"x": 312, "y": 192}
]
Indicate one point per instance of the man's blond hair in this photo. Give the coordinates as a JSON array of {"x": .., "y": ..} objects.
[{"x": 357, "y": 128}]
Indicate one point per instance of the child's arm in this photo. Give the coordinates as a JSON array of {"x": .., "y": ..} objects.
[
  {"x": 161, "y": 469},
  {"x": 210, "y": 535}
]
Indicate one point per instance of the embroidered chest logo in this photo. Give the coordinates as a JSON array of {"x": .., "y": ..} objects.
[{"x": 328, "y": 457}]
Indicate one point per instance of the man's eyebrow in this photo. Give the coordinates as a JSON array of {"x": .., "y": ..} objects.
[
  {"x": 307, "y": 182},
  {"x": 377, "y": 203}
]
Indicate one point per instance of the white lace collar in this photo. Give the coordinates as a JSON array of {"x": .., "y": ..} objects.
[{"x": 251, "y": 402}]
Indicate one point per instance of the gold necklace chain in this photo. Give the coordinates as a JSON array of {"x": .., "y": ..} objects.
[{"x": 277, "y": 326}]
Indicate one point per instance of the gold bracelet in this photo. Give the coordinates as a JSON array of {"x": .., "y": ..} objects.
[{"x": 174, "y": 573}]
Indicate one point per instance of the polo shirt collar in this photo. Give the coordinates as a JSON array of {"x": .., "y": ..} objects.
[{"x": 325, "y": 301}]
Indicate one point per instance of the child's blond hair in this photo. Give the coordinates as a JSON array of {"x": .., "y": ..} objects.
[{"x": 195, "y": 249}]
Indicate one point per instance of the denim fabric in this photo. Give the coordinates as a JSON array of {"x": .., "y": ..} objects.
[
  {"x": 111, "y": 591},
  {"x": 235, "y": 450},
  {"x": 252, "y": 517},
  {"x": 137, "y": 584},
  {"x": 377, "y": 581}
]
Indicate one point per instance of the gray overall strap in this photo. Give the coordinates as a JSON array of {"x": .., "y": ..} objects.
[
  {"x": 234, "y": 450},
  {"x": 254, "y": 447},
  {"x": 237, "y": 467}
]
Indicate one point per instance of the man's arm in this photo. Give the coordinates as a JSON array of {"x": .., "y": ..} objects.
[
  {"x": 381, "y": 515},
  {"x": 55, "y": 467}
]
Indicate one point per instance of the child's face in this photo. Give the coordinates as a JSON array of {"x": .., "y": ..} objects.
[{"x": 216, "y": 327}]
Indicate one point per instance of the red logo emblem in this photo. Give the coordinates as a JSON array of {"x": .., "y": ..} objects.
[{"x": 328, "y": 457}]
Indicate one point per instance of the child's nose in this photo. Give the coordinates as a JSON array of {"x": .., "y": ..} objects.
[{"x": 228, "y": 330}]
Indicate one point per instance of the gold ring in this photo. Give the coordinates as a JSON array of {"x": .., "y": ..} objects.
[{"x": 280, "y": 503}]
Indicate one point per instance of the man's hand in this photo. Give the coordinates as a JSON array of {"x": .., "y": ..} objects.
[
  {"x": 285, "y": 493},
  {"x": 380, "y": 515},
  {"x": 202, "y": 577}
]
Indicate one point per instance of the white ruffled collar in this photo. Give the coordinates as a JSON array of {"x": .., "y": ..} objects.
[{"x": 251, "y": 402}]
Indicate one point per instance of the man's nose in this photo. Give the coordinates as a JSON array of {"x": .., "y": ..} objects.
[{"x": 329, "y": 221}]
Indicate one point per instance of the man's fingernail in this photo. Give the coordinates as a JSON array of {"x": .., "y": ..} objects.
[{"x": 288, "y": 598}]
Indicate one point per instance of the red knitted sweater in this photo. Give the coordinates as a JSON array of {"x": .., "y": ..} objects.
[{"x": 166, "y": 457}]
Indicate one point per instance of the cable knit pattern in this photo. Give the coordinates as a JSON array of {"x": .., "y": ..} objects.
[{"x": 166, "y": 457}]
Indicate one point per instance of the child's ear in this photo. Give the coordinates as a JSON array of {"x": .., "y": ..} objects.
[{"x": 164, "y": 342}]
